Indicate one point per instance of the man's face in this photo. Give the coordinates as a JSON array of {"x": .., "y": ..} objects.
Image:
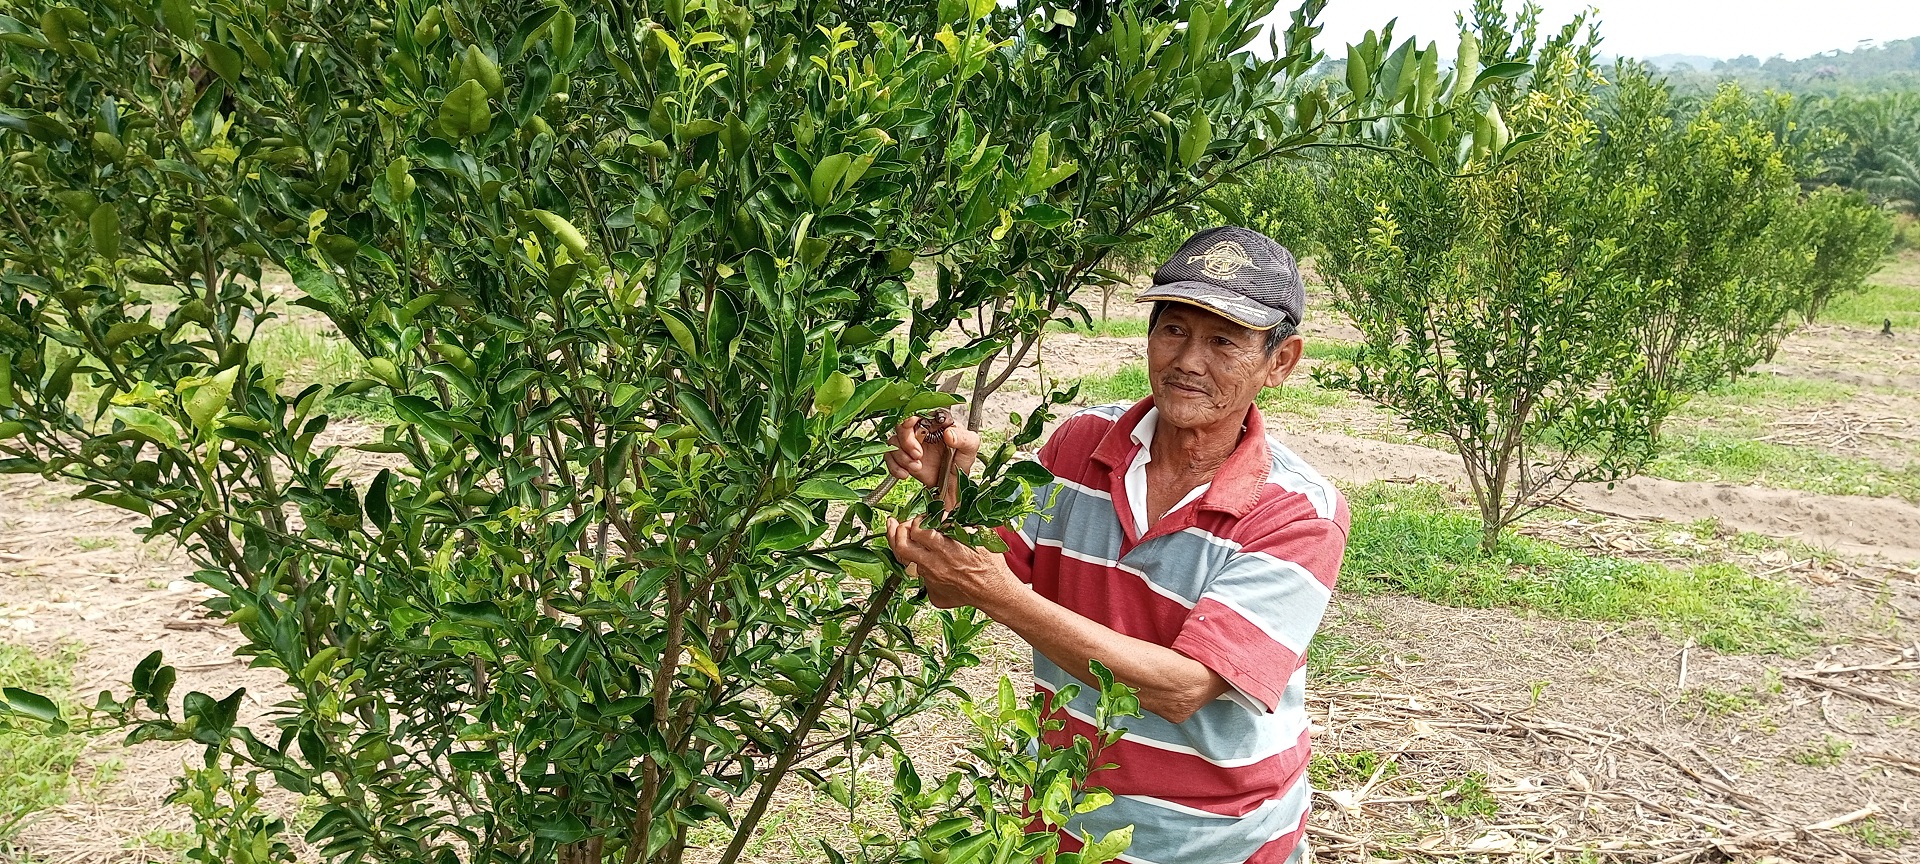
[{"x": 1206, "y": 370}]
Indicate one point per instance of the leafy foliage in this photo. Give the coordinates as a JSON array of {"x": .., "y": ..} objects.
[
  {"x": 1278, "y": 199},
  {"x": 1492, "y": 303},
  {"x": 37, "y": 753},
  {"x": 1848, "y": 237},
  {"x": 1158, "y": 118},
  {"x": 632, "y": 283},
  {"x": 1706, "y": 218}
]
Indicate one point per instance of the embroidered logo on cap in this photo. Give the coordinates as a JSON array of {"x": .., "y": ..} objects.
[{"x": 1222, "y": 260}]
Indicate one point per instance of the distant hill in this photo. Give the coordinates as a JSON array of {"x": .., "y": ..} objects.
[
  {"x": 1668, "y": 62},
  {"x": 1891, "y": 65}
]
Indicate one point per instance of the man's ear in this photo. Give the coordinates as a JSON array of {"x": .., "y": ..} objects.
[{"x": 1285, "y": 358}]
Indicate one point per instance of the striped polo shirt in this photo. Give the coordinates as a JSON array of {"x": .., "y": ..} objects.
[{"x": 1236, "y": 579}]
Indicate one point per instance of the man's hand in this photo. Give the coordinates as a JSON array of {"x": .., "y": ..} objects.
[
  {"x": 954, "y": 573},
  {"x": 916, "y": 458}
]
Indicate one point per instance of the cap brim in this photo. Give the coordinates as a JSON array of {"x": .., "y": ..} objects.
[{"x": 1213, "y": 298}]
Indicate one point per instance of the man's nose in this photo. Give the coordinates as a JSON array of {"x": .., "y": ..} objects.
[{"x": 1190, "y": 359}]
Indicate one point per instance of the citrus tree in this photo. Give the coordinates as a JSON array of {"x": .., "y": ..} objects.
[
  {"x": 632, "y": 281},
  {"x": 1493, "y": 312},
  {"x": 1706, "y": 199},
  {"x": 1848, "y": 236}
]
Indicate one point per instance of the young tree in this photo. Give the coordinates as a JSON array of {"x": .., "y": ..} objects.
[
  {"x": 633, "y": 281},
  {"x": 1848, "y": 235},
  {"x": 1493, "y": 312},
  {"x": 1704, "y": 211}
]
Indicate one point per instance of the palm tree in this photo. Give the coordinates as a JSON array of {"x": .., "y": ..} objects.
[{"x": 1897, "y": 181}]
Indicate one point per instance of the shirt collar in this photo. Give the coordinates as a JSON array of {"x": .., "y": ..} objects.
[
  {"x": 1142, "y": 433},
  {"x": 1235, "y": 487}
]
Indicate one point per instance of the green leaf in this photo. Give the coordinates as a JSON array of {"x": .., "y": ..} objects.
[
  {"x": 1045, "y": 215},
  {"x": 27, "y": 703},
  {"x": 763, "y": 278},
  {"x": 104, "y": 225},
  {"x": 224, "y": 61},
  {"x": 379, "y": 511},
  {"x": 181, "y": 19},
  {"x": 148, "y": 423},
  {"x": 465, "y": 112},
  {"x": 1466, "y": 66},
  {"x": 1108, "y": 847},
  {"x": 483, "y": 613},
  {"x": 559, "y": 827},
  {"x": 563, "y": 231},
  {"x": 826, "y": 178},
  {"x": 681, "y": 333},
  {"x": 1500, "y": 72},
  {"x": 931, "y": 400},
  {"x": 1357, "y": 72},
  {"x": 698, "y": 411},
  {"x": 1193, "y": 143},
  {"x": 819, "y": 489},
  {"x": 204, "y": 399},
  {"x": 698, "y": 127},
  {"x": 1423, "y": 144},
  {"x": 475, "y": 65},
  {"x": 1030, "y": 472},
  {"x": 832, "y": 393}
]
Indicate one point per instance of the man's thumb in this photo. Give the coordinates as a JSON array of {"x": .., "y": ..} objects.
[{"x": 962, "y": 440}]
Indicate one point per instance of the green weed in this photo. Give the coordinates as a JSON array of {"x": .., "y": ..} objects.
[
  {"x": 1411, "y": 540},
  {"x": 1333, "y": 658},
  {"x": 1826, "y": 754},
  {"x": 1127, "y": 385},
  {"x": 1894, "y": 294},
  {"x": 1301, "y": 396},
  {"x": 167, "y": 840},
  {"x": 1469, "y": 798},
  {"x": 1328, "y": 349},
  {"x": 35, "y": 769},
  {"x": 1702, "y": 455},
  {"x": 1875, "y": 835},
  {"x": 1345, "y": 770},
  {"x": 304, "y": 354},
  {"x": 1711, "y": 702}
]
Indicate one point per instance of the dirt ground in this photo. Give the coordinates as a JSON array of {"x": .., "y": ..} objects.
[{"x": 1457, "y": 734}]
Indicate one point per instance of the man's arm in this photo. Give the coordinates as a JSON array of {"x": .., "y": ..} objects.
[{"x": 1170, "y": 684}]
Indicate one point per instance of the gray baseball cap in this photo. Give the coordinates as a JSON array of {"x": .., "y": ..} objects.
[{"x": 1236, "y": 273}]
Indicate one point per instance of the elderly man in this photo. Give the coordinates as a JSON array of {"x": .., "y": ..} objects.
[{"x": 1185, "y": 550}]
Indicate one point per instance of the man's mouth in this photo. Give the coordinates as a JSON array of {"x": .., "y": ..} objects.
[{"x": 1187, "y": 386}]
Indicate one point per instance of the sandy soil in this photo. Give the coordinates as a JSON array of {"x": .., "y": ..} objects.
[{"x": 74, "y": 572}]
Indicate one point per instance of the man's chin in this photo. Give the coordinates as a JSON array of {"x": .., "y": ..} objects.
[{"x": 1185, "y": 409}]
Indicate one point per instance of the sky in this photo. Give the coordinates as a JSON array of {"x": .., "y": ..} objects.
[{"x": 1648, "y": 28}]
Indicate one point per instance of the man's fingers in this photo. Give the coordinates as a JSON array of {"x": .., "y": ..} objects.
[{"x": 905, "y": 438}]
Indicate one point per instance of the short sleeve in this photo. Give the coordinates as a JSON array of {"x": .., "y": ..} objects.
[{"x": 1255, "y": 617}]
